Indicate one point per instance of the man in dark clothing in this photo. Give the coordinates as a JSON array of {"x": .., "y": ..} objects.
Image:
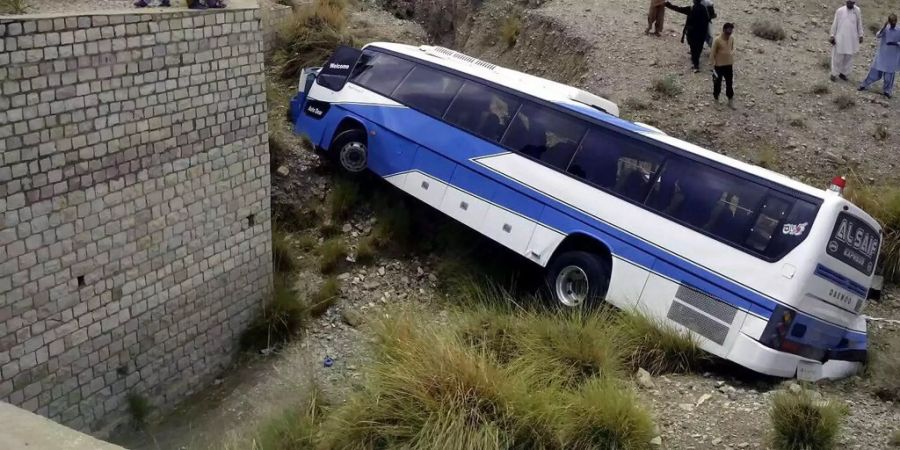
[{"x": 696, "y": 28}]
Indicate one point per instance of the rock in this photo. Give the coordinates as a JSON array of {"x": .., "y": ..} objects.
[
  {"x": 795, "y": 388},
  {"x": 644, "y": 379},
  {"x": 352, "y": 317},
  {"x": 703, "y": 399},
  {"x": 432, "y": 278},
  {"x": 371, "y": 285},
  {"x": 381, "y": 271},
  {"x": 347, "y": 227},
  {"x": 716, "y": 441},
  {"x": 283, "y": 171},
  {"x": 743, "y": 445},
  {"x": 686, "y": 406},
  {"x": 657, "y": 441}
]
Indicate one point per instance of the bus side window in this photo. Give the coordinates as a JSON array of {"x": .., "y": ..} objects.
[
  {"x": 771, "y": 215},
  {"x": 545, "y": 134},
  {"x": 380, "y": 73},
  {"x": 616, "y": 163},
  {"x": 428, "y": 90},
  {"x": 793, "y": 229},
  {"x": 483, "y": 111}
]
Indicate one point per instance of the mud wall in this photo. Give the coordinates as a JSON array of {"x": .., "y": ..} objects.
[{"x": 135, "y": 239}]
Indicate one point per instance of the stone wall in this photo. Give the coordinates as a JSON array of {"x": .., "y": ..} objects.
[{"x": 135, "y": 240}]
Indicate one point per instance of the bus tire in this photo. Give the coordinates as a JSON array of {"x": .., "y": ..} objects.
[
  {"x": 577, "y": 279},
  {"x": 351, "y": 151}
]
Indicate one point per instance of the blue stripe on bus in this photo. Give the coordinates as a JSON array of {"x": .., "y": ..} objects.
[
  {"x": 841, "y": 281},
  {"x": 471, "y": 177}
]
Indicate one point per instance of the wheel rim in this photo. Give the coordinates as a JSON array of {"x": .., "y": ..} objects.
[
  {"x": 353, "y": 157},
  {"x": 572, "y": 286}
]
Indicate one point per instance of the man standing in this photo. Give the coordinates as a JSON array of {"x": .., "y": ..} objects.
[
  {"x": 696, "y": 28},
  {"x": 846, "y": 35},
  {"x": 721, "y": 57},
  {"x": 887, "y": 58},
  {"x": 656, "y": 17}
]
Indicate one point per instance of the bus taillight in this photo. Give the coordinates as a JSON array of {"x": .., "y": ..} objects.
[{"x": 838, "y": 184}]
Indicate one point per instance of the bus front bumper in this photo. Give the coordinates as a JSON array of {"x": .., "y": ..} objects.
[{"x": 750, "y": 353}]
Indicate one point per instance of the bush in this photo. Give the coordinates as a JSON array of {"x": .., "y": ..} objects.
[
  {"x": 283, "y": 258},
  {"x": 280, "y": 319},
  {"x": 510, "y": 30},
  {"x": 292, "y": 429},
  {"x": 139, "y": 408},
  {"x": 797, "y": 121},
  {"x": 658, "y": 347},
  {"x": 768, "y": 157},
  {"x": 768, "y": 30},
  {"x": 289, "y": 216},
  {"x": 331, "y": 255},
  {"x": 13, "y": 7},
  {"x": 604, "y": 414},
  {"x": 825, "y": 63},
  {"x": 882, "y": 203},
  {"x": 306, "y": 242},
  {"x": 327, "y": 295},
  {"x": 310, "y": 37},
  {"x": 845, "y": 101},
  {"x": 799, "y": 422},
  {"x": 820, "y": 89},
  {"x": 881, "y": 132},
  {"x": 666, "y": 87},
  {"x": 343, "y": 197},
  {"x": 366, "y": 250},
  {"x": 883, "y": 369}
]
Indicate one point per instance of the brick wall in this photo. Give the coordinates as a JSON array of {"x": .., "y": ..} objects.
[{"x": 134, "y": 206}]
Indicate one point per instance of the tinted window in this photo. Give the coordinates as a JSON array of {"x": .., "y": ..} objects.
[
  {"x": 793, "y": 229},
  {"x": 379, "y": 72},
  {"x": 428, "y": 90},
  {"x": 708, "y": 199},
  {"x": 616, "y": 163},
  {"x": 482, "y": 110},
  {"x": 545, "y": 134},
  {"x": 335, "y": 72},
  {"x": 771, "y": 216}
]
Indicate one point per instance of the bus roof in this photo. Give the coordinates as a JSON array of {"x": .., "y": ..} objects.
[{"x": 579, "y": 101}]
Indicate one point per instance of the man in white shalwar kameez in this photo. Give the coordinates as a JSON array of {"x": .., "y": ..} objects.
[{"x": 846, "y": 35}]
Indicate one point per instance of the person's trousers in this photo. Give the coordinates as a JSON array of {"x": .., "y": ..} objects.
[
  {"x": 875, "y": 75},
  {"x": 840, "y": 63},
  {"x": 696, "y": 51},
  {"x": 656, "y": 18},
  {"x": 723, "y": 73}
]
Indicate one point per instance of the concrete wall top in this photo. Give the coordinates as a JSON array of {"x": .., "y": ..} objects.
[
  {"x": 233, "y": 5},
  {"x": 22, "y": 429}
]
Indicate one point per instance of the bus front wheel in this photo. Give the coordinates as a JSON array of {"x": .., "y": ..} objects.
[
  {"x": 351, "y": 150},
  {"x": 577, "y": 279}
]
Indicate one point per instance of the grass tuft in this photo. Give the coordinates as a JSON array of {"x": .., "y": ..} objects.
[
  {"x": 292, "y": 429},
  {"x": 13, "y": 7},
  {"x": 343, "y": 197},
  {"x": 283, "y": 257},
  {"x": 845, "y": 101},
  {"x": 666, "y": 87},
  {"x": 366, "y": 251},
  {"x": 820, "y": 89},
  {"x": 894, "y": 440},
  {"x": 768, "y": 30},
  {"x": 280, "y": 319},
  {"x": 658, "y": 347},
  {"x": 510, "y": 30},
  {"x": 139, "y": 408},
  {"x": 331, "y": 255},
  {"x": 800, "y": 422},
  {"x": 882, "y": 203},
  {"x": 310, "y": 36},
  {"x": 327, "y": 295},
  {"x": 604, "y": 414},
  {"x": 768, "y": 157},
  {"x": 825, "y": 63},
  {"x": 882, "y": 369},
  {"x": 881, "y": 132}
]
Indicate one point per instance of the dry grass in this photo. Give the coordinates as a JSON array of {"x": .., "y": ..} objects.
[
  {"x": 366, "y": 251},
  {"x": 310, "y": 37},
  {"x": 292, "y": 429},
  {"x": 331, "y": 255},
  {"x": 283, "y": 258},
  {"x": 327, "y": 295},
  {"x": 825, "y": 63},
  {"x": 658, "y": 347},
  {"x": 666, "y": 87},
  {"x": 820, "y": 89},
  {"x": 883, "y": 369},
  {"x": 797, "y": 121},
  {"x": 845, "y": 101},
  {"x": 881, "y": 132},
  {"x": 799, "y": 422},
  {"x": 894, "y": 440},
  {"x": 768, "y": 30},
  {"x": 13, "y": 7},
  {"x": 342, "y": 198},
  {"x": 280, "y": 319},
  {"x": 882, "y": 203},
  {"x": 510, "y": 30},
  {"x": 768, "y": 157}
]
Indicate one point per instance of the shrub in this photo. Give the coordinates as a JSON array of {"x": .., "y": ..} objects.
[
  {"x": 278, "y": 150},
  {"x": 292, "y": 429},
  {"x": 280, "y": 319},
  {"x": 13, "y": 7},
  {"x": 636, "y": 104},
  {"x": 768, "y": 30},
  {"x": 366, "y": 250},
  {"x": 820, "y": 89},
  {"x": 139, "y": 408},
  {"x": 881, "y": 132},
  {"x": 883, "y": 368},
  {"x": 510, "y": 30},
  {"x": 666, "y": 87},
  {"x": 289, "y": 216},
  {"x": 604, "y": 414},
  {"x": 327, "y": 295},
  {"x": 768, "y": 157},
  {"x": 283, "y": 258},
  {"x": 883, "y": 203},
  {"x": 331, "y": 255},
  {"x": 797, "y": 121},
  {"x": 306, "y": 242},
  {"x": 310, "y": 37},
  {"x": 800, "y": 422},
  {"x": 845, "y": 101},
  {"x": 343, "y": 197},
  {"x": 825, "y": 63},
  {"x": 658, "y": 347}
]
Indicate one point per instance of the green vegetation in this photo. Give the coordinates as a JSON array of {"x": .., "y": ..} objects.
[
  {"x": 768, "y": 157},
  {"x": 845, "y": 101},
  {"x": 13, "y": 7},
  {"x": 894, "y": 440},
  {"x": 825, "y": 63},
  {"x": 280, "y": 319},
  {"x": 666, "y": 87},
  {"x": 510, "y": 30},
  {"x": 284, "y": 259},
  {"x": 800, "y": 422},
  {"x": 768, "y": 30},
  {"x": 325, "y": 297},
  {"x": 658, "y": 347},
  {"x": 342, "y": 198},
  {"x": 366, "y": 250},
  {"x": 331, "y": 255},
  {"x": 293, "y": 429},
  {"x": 139, "y": 408},
  {"x": 883, "y": 203},
  {"x": 311, "y": 36}
]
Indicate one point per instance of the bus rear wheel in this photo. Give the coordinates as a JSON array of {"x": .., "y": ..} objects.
[
  {"x": 577, "y": 279},
  {"x": 351, "y": 151}
]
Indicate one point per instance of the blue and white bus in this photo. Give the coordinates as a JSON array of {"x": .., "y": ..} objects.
[{"x": 766, "y": 271}]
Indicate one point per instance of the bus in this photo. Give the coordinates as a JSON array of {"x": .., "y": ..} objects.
[{"x": 763, "y": 270}]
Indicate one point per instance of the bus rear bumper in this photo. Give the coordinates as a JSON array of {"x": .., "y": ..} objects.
[{"x": 753, "y": 355}]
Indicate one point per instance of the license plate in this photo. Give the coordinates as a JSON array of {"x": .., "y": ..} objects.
[{"x": 809, "y": 371}]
